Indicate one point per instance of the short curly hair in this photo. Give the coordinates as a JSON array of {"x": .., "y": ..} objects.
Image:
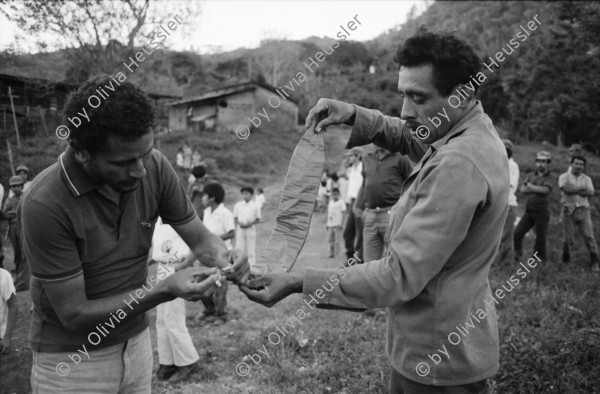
[
  {"x": 127, "y": 112},
  {"x": 454, "y": 61}
]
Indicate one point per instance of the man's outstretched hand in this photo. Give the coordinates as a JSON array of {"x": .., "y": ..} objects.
[
  {"x": 192, "y": 284},
  {"x": 329, "y": 112},
  {"x": 272, "y": 287}
]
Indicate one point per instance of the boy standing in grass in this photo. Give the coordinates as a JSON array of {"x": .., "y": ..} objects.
[
  {"x": 335, "y": 218},
  {"x": 246, "y": 214},
  {"x": 219, "y": 220},
  {"x": 177, "y": 356}
]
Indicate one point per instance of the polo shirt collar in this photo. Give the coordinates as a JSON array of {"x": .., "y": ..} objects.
[
  {"x": 476, "y": 114},
  {"x": 73, "y": 175}
]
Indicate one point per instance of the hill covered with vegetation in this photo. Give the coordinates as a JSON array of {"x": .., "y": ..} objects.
[{"x": 546, "y": 90}]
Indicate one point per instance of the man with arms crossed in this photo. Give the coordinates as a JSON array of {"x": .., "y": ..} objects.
[
  {"x": 576, "y": 187},
  {"x": 444, "y": 230},
  {"x": 87, "y": 224}
]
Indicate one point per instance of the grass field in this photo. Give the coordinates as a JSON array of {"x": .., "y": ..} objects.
[{"x": 549, "y": 324}]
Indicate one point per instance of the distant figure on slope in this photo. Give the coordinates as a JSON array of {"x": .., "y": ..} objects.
[
  {"x": 179, "y": 160},
  {"x": 335, "y": 219},
  {"x": 260, "y": 198}
]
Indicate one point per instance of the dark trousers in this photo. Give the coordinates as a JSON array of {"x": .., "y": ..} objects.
[
  {"x": 21, "y": 267},
  {"x": 400, "y": 385},
  {"x": 353, "y": 234},
  {"x": 539, "y": 220}
]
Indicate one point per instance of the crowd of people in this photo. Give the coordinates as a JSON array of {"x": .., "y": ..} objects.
[{"x": 363, "y": 219}]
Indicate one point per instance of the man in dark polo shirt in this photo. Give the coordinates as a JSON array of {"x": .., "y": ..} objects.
[
  {"x": 537, "y": 187},
  {"x": 87, "y": 224},
  {"x": 384, "y": 173}
]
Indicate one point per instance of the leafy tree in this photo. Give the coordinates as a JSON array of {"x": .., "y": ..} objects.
[{"x": 99, "y": 34}]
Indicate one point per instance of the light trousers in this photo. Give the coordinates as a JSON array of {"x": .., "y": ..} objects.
[
  {"x": 245, "y": 239},
  {"x": 175, "y": 346},
  {"x": 125, "y": 368},
  {"x": 375, "y": 233},
  {"x": 581, "y": 219}
]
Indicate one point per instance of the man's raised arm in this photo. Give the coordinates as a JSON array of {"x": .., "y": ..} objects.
[{"x": 369, "y": 126}]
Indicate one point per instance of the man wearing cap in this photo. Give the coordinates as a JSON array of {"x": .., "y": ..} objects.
[
  {"x": 506, "y": 253},
  {"x": 10, "y": 211},
  {"x": 537, "y": 188},
  {"x": 576, "y": 187},
  {"x": 23, "y": 172},
  {"x": 353, "y": 238}
]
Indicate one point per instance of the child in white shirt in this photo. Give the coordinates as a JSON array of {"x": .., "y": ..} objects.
[
  {"x": 246, "y": 214},
  {"x": 335, "y": 218},
  {"x": 219, "y": 220}
]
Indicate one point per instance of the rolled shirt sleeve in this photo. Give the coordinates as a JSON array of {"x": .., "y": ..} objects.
[{"x": 420, "y": 247}]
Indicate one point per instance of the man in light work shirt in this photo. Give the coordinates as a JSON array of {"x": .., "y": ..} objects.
[
  {"x": 87, "y": 224},
  {"x": 384, "y": 173},
  {"x": 576, "y": 187},
  {"x": 506, "y": 253},
  {"x": 444, "y": 231},
  {"x": 353, "y": 228},
  {"x": 537, "y": 187}
]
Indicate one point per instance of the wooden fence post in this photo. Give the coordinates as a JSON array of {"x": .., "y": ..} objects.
[{"x": 12, "y": 105}]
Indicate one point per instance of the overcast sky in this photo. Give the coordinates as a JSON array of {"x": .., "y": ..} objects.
[{"x": 229, "y": 24}]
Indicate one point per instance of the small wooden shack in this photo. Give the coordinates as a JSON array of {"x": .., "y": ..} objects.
[{"x": 230, "y": 107}]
